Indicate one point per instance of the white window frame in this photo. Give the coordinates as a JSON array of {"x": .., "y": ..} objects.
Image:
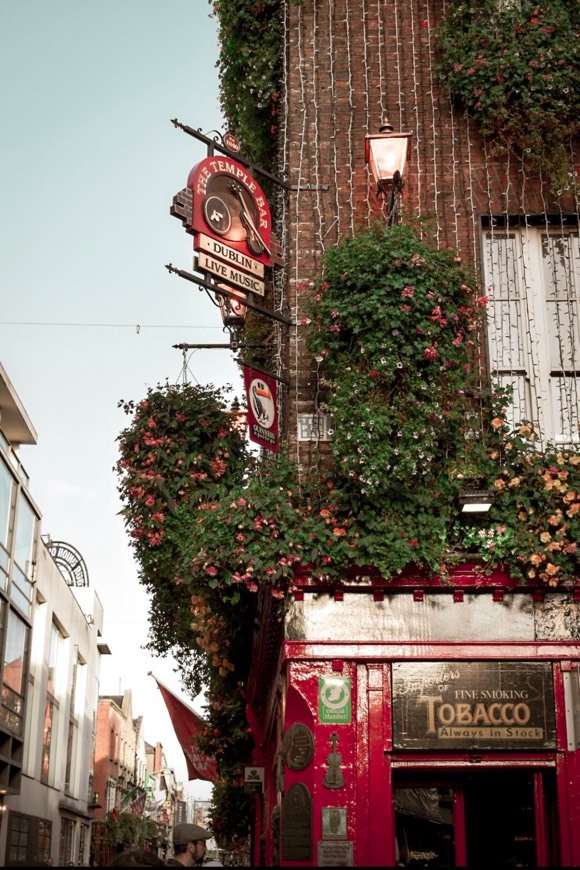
[{"x": 520, "y": 333}]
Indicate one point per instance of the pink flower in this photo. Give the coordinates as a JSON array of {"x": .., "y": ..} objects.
[
  {"x": 211, "y": 570},
  {"x": 430, "y": 353}
]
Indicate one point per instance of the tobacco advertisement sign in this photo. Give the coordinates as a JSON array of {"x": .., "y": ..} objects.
[{"x": 473, "y": 705}]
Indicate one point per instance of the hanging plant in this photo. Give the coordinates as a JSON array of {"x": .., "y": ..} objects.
[
  {"x": 178, "y": 452},
  {"x": 395, "y": 325},
  {"x": 514, "y": 66}
]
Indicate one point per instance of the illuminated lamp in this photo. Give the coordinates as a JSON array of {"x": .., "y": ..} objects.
[
  {"x": 233, "y": 312},
  {"x": 387, "y": 152}
]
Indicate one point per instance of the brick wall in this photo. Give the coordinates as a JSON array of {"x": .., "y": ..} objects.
[{"x": 350, "y": 62}]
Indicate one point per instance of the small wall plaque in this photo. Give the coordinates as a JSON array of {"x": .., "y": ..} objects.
[
  {"x": 334, "y": 854},
  {"x": 297, "y": 824},
  {"x": 334, "y": 823},
  {"x": 298, "y": 746}
]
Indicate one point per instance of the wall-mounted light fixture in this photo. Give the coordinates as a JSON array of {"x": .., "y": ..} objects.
[
  {"x": 233, "y": 312},
  {"x": 475, "y": 500},
  {"x": 387, "y": 152}
]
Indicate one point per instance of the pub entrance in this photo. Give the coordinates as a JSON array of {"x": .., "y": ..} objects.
[{"x": 493, "y": 817}]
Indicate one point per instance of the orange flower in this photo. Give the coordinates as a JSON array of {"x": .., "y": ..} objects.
[{"x": 339, "y": 532}]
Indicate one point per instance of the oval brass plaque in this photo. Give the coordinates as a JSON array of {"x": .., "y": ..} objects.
[{"x": 298, "y": 746}]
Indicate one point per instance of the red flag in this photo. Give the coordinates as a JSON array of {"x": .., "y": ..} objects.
[
  {"x": 188, "y": 726},
  {"x": 262, "y": 408}
]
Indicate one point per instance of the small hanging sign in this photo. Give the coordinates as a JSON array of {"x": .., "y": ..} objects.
[
  {"x": 262, "y": 409},
  {"x": 253, "y": 780}
]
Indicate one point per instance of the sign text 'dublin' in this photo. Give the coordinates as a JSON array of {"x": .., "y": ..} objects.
[
  {"x": 221, "y": 251},
  {"x": 495, "y": 705}
]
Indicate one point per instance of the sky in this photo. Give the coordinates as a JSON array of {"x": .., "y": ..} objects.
[{"x": 89, "y": 164}]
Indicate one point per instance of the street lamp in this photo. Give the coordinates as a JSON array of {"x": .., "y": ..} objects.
[{"x": 387, "y": 152}]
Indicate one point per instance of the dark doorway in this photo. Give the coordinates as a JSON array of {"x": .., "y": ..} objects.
[
  {"x": 497, "y": 817},
  {"x": 500, "y": 819}
]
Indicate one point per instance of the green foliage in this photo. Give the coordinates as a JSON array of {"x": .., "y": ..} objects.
[
  {"x": 178, "y": 456},
  {"x": 534, "y": 523},
  {"x": 230, "y": 815},
  {"x": 515, "y": 67},
  {"x": 395, "y": 326},
  {"x": 250, "y": 72},
  {"x": 177, "y": 453},
  {"x": 129, "y": 831}
]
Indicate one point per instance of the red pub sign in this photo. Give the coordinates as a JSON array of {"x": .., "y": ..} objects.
[
  {"x": 262, "y": 408},
  {"x": 231, "y": 216}
]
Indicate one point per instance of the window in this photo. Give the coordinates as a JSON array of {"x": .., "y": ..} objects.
[
  {"x": 28, "y": 841},
  {"x": 67, "y": 830},
  {"x": 23, "y": 554},
  {"x": 14, "y": 673},
  {"x": 533, "y": 284},
  {"x": 111, "y": 795},
  {"x": 71, "y": 749},
  {"x": 6, "y": 496},
  {"x": 51, "y": 707}
]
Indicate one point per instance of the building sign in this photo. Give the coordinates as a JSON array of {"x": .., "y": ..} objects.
[
  {"x": 221, "y": 251},
  {"x": 315, "y": 427},
  {"x": 230, "y": 274},
  {"x": 335, "y": 854},
  {"x": 253, "y": 780},
  {"x": 334, "y": 700},
  {"x": 230, "y": 207},
  {"x": 473, "y": 705},
  {"x": 262, "y": 408}
]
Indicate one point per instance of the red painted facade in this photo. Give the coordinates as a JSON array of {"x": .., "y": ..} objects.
[{"x": 374, "y": 771}]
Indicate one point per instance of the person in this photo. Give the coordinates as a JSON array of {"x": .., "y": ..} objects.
[
  {"x": 189, "y": 843},
  {"x": 137, "y": 858}
]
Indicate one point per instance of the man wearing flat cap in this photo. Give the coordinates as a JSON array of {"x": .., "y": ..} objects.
[{"x": 189, "y": 842}]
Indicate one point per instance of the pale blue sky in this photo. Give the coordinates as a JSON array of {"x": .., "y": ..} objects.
[{"x": 89, "y": 163}]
